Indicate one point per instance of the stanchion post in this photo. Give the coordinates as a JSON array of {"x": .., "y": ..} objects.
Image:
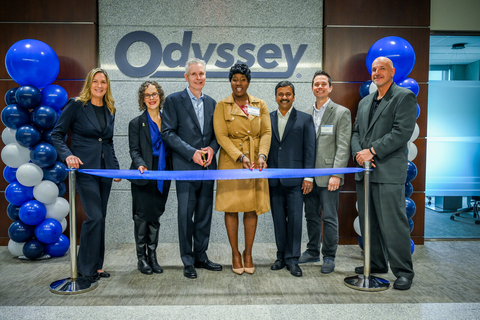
[
  {"x": 74, "y": 284},
  {"x": 366, "y": 281}
]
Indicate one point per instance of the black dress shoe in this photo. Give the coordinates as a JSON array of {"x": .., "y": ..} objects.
[
  {"x": 104, "y": 274},
  {"x": 294, "y": 270},
  {"x": 278, "y": 265},
  {"x": 402, "y": 283},
  {"x": 359, "y": 270},
  {"x": 144, "y": 267},
  {"x": 190, "y": 272},
  {"x": 209, "y": 265}
]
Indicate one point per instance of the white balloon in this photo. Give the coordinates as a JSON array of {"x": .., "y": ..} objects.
[
  {"x": 57, "y": 210},
  {"x": 14, "y": 155},
  {"x": 373, "y": 88},
  {"x": 415, "y": 133},
  {"x": 8, "y": 135},
  {"x": 15, "y": 248},
  {"x": 356, "y": 205},
  {"x": 412, "y": 151},
  {"x": 46, "y": 192},
  {"x": 64, "y": 225},
  {"x": 356, "y": 226},
  {"x": 29, "y": 174}
]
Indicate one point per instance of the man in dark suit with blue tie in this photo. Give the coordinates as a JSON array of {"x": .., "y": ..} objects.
[
  {"x": 187, "y": 129},
  {"x": 293, "y": 147}
]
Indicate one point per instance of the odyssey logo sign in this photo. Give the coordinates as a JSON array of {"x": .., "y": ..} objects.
[{"x": 267, "y": 56}]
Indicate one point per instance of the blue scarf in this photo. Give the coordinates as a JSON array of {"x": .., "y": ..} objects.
[{"x": 159, "y": 149}]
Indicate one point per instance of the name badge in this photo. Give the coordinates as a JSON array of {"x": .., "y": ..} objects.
[
  {"x": 327, "y": 129},
  {"x": 253, "y": 111}
]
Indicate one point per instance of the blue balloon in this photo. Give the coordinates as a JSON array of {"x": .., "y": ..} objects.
[
  {"x": 411, "y": 207},
  {"x": 28, "y": 97},
  {"x": 56, "y": 173},
  {"x": 32, "y": 62},
  {"x": 13, "y": 211},
  {"x": 20, "y": 232},
  {"x": 10, "y": 174},
  {"x": 412, "y": 246},
  {"x": 365, "y": 89},
  {"x": 43, "y": 155},
  {"x": 397, "y": 49},
  {"x": 411, "y": 171},
  {"x": 27, "y": 136},
  {"x": 62, "y": 189},
  {"x": 10, "y": 96},
  {"x": 59, "y": 248},
  {"x": 34, "y": 249},
  {"x": 47, "y": 135},
  {"x": 54, "y": 96},
  {"x": 411, "y": 84},
  {"x": 17, "y": 194},
  {"x": 408, "y": 189},
  {"x": 48, "y": 231},
  {"x": 360, "y": 242},
  {"x": 418, "y": 110},
  {"x": 44, "y": 117},
  {"x": 14, "y": 116},
  {"x": 32, "y": 212},
  {"x": 410, "y": 224}
]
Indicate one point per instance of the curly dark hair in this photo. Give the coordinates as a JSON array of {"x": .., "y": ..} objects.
[
  {"x": 242, "y": 68},
  {"x": 141, "y": 94}
]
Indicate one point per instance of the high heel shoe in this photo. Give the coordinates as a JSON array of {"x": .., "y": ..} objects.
[
  {"x": 238, "y": 271},
  {"x": 248, "y": 270}
]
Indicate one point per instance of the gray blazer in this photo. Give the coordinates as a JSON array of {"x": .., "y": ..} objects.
[
  {"x": 391, "y": 128},
  {"x": 333, "y": 150}
]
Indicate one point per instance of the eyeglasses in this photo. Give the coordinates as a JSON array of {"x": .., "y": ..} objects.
[{"x": 151, "y": 96}]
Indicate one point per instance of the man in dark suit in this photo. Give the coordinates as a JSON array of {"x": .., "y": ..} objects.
[
  {"x": 384, "y": 124},
  {"x": 293, "y": 147},
  {"x": 187, "y": 128},
  {"x": 333, "y": 128}
]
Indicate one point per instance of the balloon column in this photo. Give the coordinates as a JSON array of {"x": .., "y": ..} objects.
[
  {"x": 35, "y": 177},
  {"x": 401, "y": 52}
]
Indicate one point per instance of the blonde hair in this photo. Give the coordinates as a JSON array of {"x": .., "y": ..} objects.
[{"x": 86, "y": 93}]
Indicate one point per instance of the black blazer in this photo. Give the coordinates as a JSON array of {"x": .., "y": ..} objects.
[
  {"x": 181, "y": 130},
  {"x": 297, "y": 148},
  {"x": 88, "y": 142},
  {"x": 140, "y": 143}
]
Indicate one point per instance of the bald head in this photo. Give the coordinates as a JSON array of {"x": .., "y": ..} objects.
[
  {"x": 384, "y": 60},
  {"x": 382, "y": 72}
]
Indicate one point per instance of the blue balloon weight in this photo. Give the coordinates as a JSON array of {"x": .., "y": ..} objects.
[
  {"x": 418, "y": 110},
  {"x": 16, "y": 193},
  {"x": 410, "y": 224},
  {"x": 411, "y": 171},
  {"x": 13, "y": 211},
  {"x": 397, "y": 49},
  {"x": 411, "y": 207},
  {"x": 27, "y": 136},
  {"x": 10, "y": 174},
  {"x": 412, "y": 246},
  {"x": 32, "y": 212},
  {"x": 48, "y": 231},
  {"x": 62, "y": 189},
  {"x": 47, "y": 136},
  {"x": 54, "y": 96},
  {"x": 364, "y": 89},
  {"x": 56, "y": 173},
  {"x": 10, "y": 96},
  {"x": 360, "y": 242},
  {"x": 43, "y": 155},
  {"x": 32, "y": 62},
  {"x": 44, "y": 117},
  {"x": 20, "y": 232},
  {"x": 28, "y": 97},
  {"x": 14, "y": 116},
  {"x": 408, "y": 189},
  {"x": 59, "y": 248},
  {"x": 411, "y": 84},
  {"x": 34, "y": 249}
]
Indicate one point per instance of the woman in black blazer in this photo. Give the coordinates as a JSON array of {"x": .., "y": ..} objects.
[
  {"x": 148, "y": 152},
  {"x": 90, "y": 119}
]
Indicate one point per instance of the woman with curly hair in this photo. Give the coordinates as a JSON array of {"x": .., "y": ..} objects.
[{"x": 148, "y": 152}]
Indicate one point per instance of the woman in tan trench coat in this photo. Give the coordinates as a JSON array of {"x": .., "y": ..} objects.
[{"x": 243, "y": 130}]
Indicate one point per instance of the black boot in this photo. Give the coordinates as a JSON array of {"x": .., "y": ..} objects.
[
  {"x": 153, "y": 229},
  {"x": 141, "y": 229}
]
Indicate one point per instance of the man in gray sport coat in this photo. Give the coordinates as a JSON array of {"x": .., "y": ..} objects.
[{"x": 333, "y": 129}]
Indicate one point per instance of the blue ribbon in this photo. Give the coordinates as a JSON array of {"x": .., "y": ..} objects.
[{"x": 218, "y": 174}]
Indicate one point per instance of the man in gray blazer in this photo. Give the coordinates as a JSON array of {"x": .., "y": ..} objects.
[
  {"x": 384, "y": 124},
  {"x": 333, "y": 127}
]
